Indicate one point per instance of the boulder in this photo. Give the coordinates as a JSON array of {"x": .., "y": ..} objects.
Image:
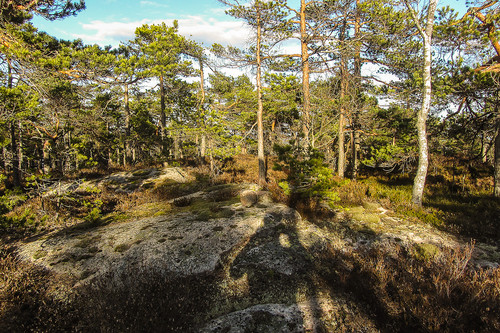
[
  {"x": 272, "y": 318},
  {"x": 248, "y": 198}
]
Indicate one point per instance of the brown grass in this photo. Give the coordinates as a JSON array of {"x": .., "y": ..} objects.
[{"x": 406, "y": 294}]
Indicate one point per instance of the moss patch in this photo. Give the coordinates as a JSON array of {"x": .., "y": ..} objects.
[
  {"x": 122, "y": 248},
  {"x": 39, "y": 254},
  {"x": 426, "y": 251},
  {"x": 369, "y": 218}
]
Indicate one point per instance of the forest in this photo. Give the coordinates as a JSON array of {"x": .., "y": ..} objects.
[{"x": 336, "y": 104}]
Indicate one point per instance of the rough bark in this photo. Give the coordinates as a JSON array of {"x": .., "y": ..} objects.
[
  {"x": 16, "y": 176},
  {"x": 260, "y": 107},
  {"x": 163, "y": 117},
  {"x": 497, "y": 161},
  {"x": 423, "y": 149},
  {"x": 306, "y": 108},
  {"x": 341, "y": 131},
  {"x": 127, "y": 110},
  {"x": 46, "y": 157},
  {"x": 203, "y": 143},
  {"x": 357, "y": 82}
]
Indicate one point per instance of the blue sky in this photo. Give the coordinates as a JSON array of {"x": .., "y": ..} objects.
[{"x": 107, "y": 22}]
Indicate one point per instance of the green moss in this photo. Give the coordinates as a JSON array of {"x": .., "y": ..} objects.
[
  {"x": 356, "y": 210},
  {"x": 142, "y": 173},
  {"x": 39, "y": 254},
  {"x": 367, "y": 218},
  {"x": 426, "y": 251},
  {"x": 371, "y": 207},
  {"x": 122, "y": 248}
]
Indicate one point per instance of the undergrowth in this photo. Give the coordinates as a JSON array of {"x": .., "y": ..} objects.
[
  {"x": 401, "y": 288},
  {"x": 408, "y": 293}
]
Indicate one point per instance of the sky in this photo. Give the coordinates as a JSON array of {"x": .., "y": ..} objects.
[{"x": 109, "y": 22}]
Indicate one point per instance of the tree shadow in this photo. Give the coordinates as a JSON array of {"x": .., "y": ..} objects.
[
  {"x": 276, "y": 268},
  {"x": 471, "y": 216}
]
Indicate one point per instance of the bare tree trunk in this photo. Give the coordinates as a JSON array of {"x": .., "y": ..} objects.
[
  {"x": 357, "y": 82},
  {"x": 163, "y": 117},
  {"x": 306, "y": 116},
  {"x": 176, "y": 147},
  {"x": 341, "y": 131},
  {"x": 21, "y": 153},
  {"x": 4, "y": 158},
  {"x": 16, "y": 177},
  {"x": 127, "y": 110},
  {"x": 203, "y": 145},
  {"x": 260, "y": 107},
  {"x": 497, "y": 161},
  {"x": 423, "y": 149},
  {"x": 127, "y": 125},
  {"x": 46, "y": 157}
]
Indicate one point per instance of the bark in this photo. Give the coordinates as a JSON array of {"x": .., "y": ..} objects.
[
  {"x": 46, "y": 157},
  {"x": 127, "y": 125},
  {"x": 203, "y": 143},
  {"x": 163, "y": 117},
  {"x": 176, "y": 147},
  {"x": 423, "y": 149},
  {"x": 357, "y": 80},
  {"x": 16, "y": 176},
  {"x": 260, "y": 107},
  {"x": 306, "y": 116},
  {"x": 4, "y": 159},
  {"x": 20, "y": 149},
  {"x": 355, "y": 150},
  {"x": 341, "y": 131},
  {"x": 127, "y": 111},
  {"x": 497, "y": 161}
]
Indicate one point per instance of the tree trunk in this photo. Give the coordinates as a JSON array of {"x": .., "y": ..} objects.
[
  {"x": 163, "y": 117},
  {"x": 46, "y": 157},
  {"x": 4, "y": 158},
  {"x": 357, "y": 82},
  {"x": 423, "y": 149},
  {"x": 21, "y": 153},
  {"x": 306, "y": 109},
  {"x": 127, "y": 111},
  {"x": 203, "y": 145},
  {"x": 260, "y": 107},
  {"x": 176, "y": 147},
  {"x": 341, "y": 131},
  {"x": 497, "y": 161},
  {"x": 16, "y": 177}
]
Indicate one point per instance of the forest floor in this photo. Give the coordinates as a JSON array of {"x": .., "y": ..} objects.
[{"x": 166, "y": 249}]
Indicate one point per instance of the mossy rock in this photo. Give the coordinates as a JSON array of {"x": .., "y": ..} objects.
[
  {"x": 87, "y": 242},
  {"x": 39, "y": 254},
  {"x": 371, "y": 206},
  {"x": 367, "y": 218},
  {"x": 183, "y": 201},
  {"x": 356, "y": 210},
  {"x": 425, "y": 251},
  {"x": 145, "y": 173},
  {"x": 122, "y": 248}
]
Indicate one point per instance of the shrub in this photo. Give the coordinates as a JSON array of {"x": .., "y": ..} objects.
[{"x": 309, "y": 177}]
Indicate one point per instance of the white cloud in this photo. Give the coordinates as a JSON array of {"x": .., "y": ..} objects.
[
  {"x": 153, "y": 4},
  {"x": 201, "y": 29}
]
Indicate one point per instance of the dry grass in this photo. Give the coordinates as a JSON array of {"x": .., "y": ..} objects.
[
  {"x": 406, "y": 294},
  {"x": 402, "y": 290}
]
